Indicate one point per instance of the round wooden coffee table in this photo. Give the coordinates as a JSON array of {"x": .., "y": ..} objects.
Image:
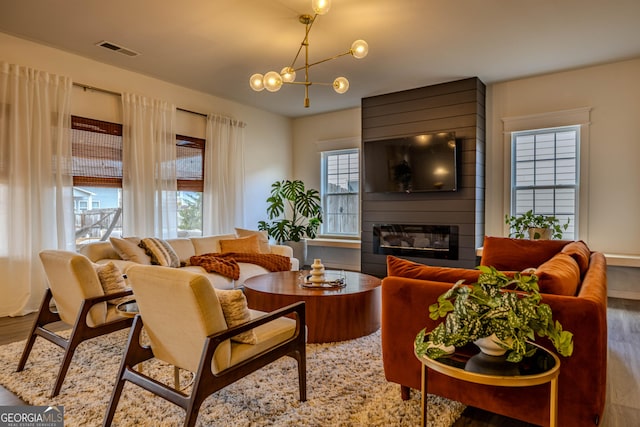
[{"x": 332, "y": 314}]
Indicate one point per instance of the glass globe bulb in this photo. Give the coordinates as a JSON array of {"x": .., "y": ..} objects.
[
  {"x": 321, "y": 6},
  {"x": 288, "y": 74},
  {"x": 341, "y": 85},
  {"x": 272, "y": 81},
  {"x": 256, "y": 82},
  {"x": 359, "y": 49}
]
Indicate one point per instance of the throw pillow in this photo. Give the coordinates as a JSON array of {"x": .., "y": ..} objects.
[
  {"x": 160, "y": 252},
  {"x": 112, "y": 281},
  {"x": 505, "y": 253},
  {"x": 560, "y": 275},
  {"x": 412, "y": 270},
  {"x": 236, "y": 312},
  {"x": 129, "y": 250},
  {"x": 263, "y": 238},
  {"x": 247, "y": 245},
  {"x": 580, "y": 252}
]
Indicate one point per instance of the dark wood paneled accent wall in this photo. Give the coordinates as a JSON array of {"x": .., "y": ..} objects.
[{"x": 459, "y": 107}]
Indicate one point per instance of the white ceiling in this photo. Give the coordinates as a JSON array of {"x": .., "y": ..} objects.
[{"x": 215, "y": 45}]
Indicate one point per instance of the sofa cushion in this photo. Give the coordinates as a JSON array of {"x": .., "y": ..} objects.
[
  {"x": 247, "y": 245},
  {"x": 98, "y": 250},
  {"x": 579, "y": 252},
  {"x": 412, "y": 270},
  {"x": 560, "y": 275},
  {"x": 505, "y": 253},
  {"x": 129, "y": 250},
  {"x": 160, "y": 251},
  {"x": 209, "y": 244},
  {"x": 263, "y": 238},
  {"x": 236, "y": 312},
  {"x": 183, "y": 248}
]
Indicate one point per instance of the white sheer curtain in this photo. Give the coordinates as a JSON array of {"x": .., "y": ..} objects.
[
  {"x": 36, "y": 193},
  {"x": 149, "y": 206},
  {"x": 222, "y": 205}
]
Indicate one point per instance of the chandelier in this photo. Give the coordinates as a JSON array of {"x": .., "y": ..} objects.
[{"x": 273, "y": 81}]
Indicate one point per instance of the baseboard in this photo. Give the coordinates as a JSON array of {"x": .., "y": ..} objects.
[{"x": 635, "y": 295}]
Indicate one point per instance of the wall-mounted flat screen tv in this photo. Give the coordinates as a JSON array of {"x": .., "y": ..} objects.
[{"x": 416, "y": 163}]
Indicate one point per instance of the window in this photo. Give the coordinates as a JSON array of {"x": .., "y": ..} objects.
[
  {"x": 340, "y": 192},
  {"x": 544, "y": 174},
  {"x": 97, "y": 178},
  {"x": 190, "y": 174}
]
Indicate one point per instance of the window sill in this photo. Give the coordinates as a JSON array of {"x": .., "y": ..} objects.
[
  {"x": 335, "y": 243},
  {"x": 613, "y": 260},
  {"x": 622, "y": 260}
]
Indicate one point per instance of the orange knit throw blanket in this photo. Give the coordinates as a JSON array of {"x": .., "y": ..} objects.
[{"x": 226, "y": 263}]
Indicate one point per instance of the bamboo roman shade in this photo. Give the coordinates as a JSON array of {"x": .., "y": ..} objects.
[
  {"x": 190, "y": 163},
  {"x": 97, "y": 153},
  {"x": 97, "y": 156}
]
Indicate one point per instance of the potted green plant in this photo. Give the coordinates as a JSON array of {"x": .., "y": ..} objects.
[
  {"x": 509, "y": 307},
  {"x": 295, "y": 214},
  {"x": 537, "y": 226}
]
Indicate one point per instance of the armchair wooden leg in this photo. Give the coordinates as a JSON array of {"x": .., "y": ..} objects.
[
  {"x": 27, "y": 350},
  {"x": 45, "y": 316},
  {"x": 134, "y": 354},
  {"x": 115, "y": 398},
  {"x": 302, "y": 374},
  {"x": 64, "y": 367}
]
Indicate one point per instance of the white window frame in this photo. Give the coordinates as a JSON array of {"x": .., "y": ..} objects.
[
  {"x": 557, "y": 119},
  {"x": 537, "y": 159},
  {"x": 324, "y": 193}
]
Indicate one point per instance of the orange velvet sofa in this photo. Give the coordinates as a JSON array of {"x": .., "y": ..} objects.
[{"x": 572, "y": 281}]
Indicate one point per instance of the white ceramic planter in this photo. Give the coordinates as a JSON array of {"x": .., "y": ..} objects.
[{"x": 488, "y": 345}]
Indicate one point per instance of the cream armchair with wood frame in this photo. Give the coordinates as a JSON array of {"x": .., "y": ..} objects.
[
  {"x": 80, "y": 302},
  {"x": 184, "y": 321}
]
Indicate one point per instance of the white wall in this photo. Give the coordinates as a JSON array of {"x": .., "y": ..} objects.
[
  {"x": 611, "y": 177},
  {"x": 268, "y": 136},
  {"x": 312, "y": 135},
  {"x": 322, "y": 132}
]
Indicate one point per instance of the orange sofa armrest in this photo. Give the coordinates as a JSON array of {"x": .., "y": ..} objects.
[{"x": 405, "y": 311}]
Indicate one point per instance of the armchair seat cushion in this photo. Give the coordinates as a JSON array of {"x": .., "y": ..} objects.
[{"x": 267, "y": 336}]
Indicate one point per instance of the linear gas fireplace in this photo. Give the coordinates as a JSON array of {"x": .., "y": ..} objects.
[{"x": 427, "y": 241}]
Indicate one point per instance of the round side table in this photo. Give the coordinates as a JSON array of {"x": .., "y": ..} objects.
[{"x": 543, "y": 367}]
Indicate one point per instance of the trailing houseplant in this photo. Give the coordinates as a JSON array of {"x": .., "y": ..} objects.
[
  {"x": 295, "y": 212},
  {"x": 509, "y": 307},
  {"x": 519, "y": 225}
]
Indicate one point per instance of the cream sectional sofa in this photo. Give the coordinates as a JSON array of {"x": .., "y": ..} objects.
[{"x": 185, "y": 248}]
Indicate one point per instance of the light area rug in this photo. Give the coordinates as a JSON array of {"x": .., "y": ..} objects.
[{"x": 345, "y": 387}]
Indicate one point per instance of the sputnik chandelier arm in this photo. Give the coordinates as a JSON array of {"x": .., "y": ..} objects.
[{"x": 273, "y": 81}]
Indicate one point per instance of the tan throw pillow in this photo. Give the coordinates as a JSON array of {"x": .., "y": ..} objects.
[
  {"x": 236, "y": 312},
  {"x": 129, "y": 250},
  {"x": 263, "y": 238},
  {"x": 112, "y": 281},
  {"x": 247, "y": 245},
  {"x": 160, "y": 251}
]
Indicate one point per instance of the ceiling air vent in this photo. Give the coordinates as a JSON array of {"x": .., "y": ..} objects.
[{"x": 114, "y": 47}]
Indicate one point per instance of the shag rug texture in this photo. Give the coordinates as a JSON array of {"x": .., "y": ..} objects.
[{"x": 345, "y": 387}]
